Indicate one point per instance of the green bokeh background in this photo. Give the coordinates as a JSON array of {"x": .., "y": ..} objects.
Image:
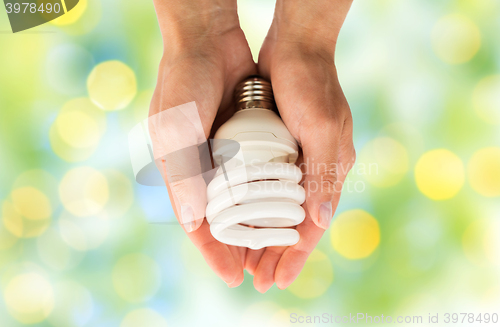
[{"x": 396, "y": 65}]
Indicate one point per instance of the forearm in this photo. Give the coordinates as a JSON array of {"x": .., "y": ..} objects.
[
  {"x": 182, "y": 23},
  {"x": 315, "y": 23}
]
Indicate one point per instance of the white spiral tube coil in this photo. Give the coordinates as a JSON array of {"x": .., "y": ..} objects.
[{"x": 254, "y": 206}]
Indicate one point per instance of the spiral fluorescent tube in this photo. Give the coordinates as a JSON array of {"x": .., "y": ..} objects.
[{"x": 255, "y": 198}]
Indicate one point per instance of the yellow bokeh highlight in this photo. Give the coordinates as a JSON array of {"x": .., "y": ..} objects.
[
  {"x": 143, "y": 317},
  {"x": 28, "y": 213},
  {"x": 456, "y": 39},
  {"x": 136, "y": 277},
  {"x": 112, "y": 85},
  {"x": 73, "y": 307},
  {"x": 486, "y": 99},
  {"x": 385, "y": 162},
  {"x": 84, "y": 191},
  {"x": 31, "y": 203},
  {"x": 480, "y": 242},
  {"x": 77, "y": 130},
  {"x": 83, "y": 233},
  {"x": 355, "y": 234},
  {"x": 315, "y": 277},
  {"x": 71, "y": 16},
  {"x": 29, "y": 298},
  {"x": 439, "y": 174},
  {"x": 484, "y": 171}
]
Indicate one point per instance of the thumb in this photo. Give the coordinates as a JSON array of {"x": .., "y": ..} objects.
[
  {"x": 328, "y": 154},
  {"x": 177, "y": 137}
]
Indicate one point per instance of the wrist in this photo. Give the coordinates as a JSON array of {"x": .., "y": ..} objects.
[
  {"x": 193, "y": 24},
  {"x": 315, "y": 25}
]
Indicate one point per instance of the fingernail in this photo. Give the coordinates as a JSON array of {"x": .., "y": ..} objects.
[
  {"x": 325, "y": 214},
  {"x": 187, "y": 218}
]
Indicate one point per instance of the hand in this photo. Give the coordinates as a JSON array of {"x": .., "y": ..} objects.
[
  {"x": 206, "y": 55},
  {"x": 299, "y": 61}
]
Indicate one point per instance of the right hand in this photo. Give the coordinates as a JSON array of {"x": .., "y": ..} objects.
[{"x": 206, "y": 55}]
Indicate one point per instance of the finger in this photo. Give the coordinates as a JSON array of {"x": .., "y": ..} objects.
[
  {"x": 218, "y": 256},
  {"x": 237, "y": 255},
  {"x": 252, "y": 260},
  {"x": 176, "y": 136},
  {"x": 327, "y": 163},
  {"x": 264, "y": 274},
  {"x": 293, "y": 259}
]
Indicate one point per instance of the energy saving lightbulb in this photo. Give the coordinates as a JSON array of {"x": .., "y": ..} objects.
[{"x": 255, "y": 198}]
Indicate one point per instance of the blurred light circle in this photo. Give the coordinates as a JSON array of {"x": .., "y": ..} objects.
[
  {"x": 121, "y": 194},
  {"x": 7, "y": 239},
  {"x": 82, "y": 19},
  {"x": 385, "y": 162},
  {"x": 29, "y": 298},
  {"x": 112, "y": 85},
  {"x": 315, "y": 277},
  {"x": 439, "y": 174},
  {"x": 84, "y": 191},
  {"x": 136, "y": 277},
  {"x": 355, "y": 234},
  {"x": 71, "y": 16},
  {"x": 484, "y": 171},
  {"x": 456, "y": 39},
  {"x": 77, "y": 130},
  {"x": 143, "y": 317},
  {"x": 266, "y": 316},
  {"x": 486, "y": 99},
  {"x": 27, "y": 214},
  {"x": 31, "y": 203},
  {"x": 73, "y": 305},
  {"x": 480, "y": 242},
  {"x": 55, "y": 252},
  {"x": 40, "y": 180},
  {"x": 67, "y": 67},
  {"x": 83, "y": 233}
]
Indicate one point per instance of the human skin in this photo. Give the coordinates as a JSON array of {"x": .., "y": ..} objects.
[{"x": 205, "y": 56}]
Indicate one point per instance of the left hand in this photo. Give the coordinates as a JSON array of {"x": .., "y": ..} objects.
[{"x": 312, "y": 105}]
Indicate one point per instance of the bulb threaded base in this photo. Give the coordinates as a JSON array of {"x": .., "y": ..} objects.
[{"x": 254, "y": 92}]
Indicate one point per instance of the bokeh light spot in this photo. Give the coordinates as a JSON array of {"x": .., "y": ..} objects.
[
  {"x": 315, "y": 277},
  {"x": 486, "y": 99},
  {"x": 31, "y": 203},
  {"x": 83, "y": 233},
  {"x": 355, "y": 234},
  {"x": 112, "y": 85},
  {"x": 73, "y": 305},
  {"x": 484, "y": 171},
  {"x": 29, "y": 298},
  {"x": 143, "y": 317},
  {"x": 56, "y": 253},
  {"x": 480, "y": 242},
  {"x": 71, "y": 16},
  {"x": 84, "y": 191},
  {"x": 28, "y": 214},
  {"x": 77, "y": 130},
  {"x": 136, "y": 277},
  {"x": 456, "y": 39},
  {"x": 385, "y": 162},
  {"x": 439, "y": 174}
]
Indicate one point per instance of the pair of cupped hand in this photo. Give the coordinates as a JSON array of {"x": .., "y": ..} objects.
[{"x": 314, "y": 109}]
